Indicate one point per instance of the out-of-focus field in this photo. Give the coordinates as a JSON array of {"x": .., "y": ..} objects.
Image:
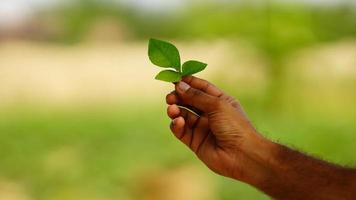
[{"x": 88, "y": 121}]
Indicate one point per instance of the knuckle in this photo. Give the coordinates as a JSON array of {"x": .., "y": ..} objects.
[
  {"x": 217, "y": 103},
  {"x": 196, "y": 93},
  {"x": 230, "y": 101}
]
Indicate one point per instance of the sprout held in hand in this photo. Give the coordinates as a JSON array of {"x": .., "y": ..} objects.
[{"x": 166, "y": 55}]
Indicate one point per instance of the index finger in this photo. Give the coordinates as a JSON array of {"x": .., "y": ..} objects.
[{"x": 203, "y": 85}]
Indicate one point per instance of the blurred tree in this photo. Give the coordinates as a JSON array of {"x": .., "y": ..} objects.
[
  {"x": 276, "y": 29},
  {"x": 79, "y": 16}
]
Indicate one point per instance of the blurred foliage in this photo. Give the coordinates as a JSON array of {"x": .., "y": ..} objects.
[
  {"x": 102, "y": 151},
  {"x": 79, "y": 16},
  {"x": 275, "y": 29},
  {"x": 99, "y": 151}
]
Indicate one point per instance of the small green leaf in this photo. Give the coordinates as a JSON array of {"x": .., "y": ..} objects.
[
  {"x": 169, "y": 76},
  {"x": 192, "y": 67},
  {"x": 163, "y": 54}
]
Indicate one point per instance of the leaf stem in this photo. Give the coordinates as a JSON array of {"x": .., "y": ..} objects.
[{"x": 189, "y": 110}]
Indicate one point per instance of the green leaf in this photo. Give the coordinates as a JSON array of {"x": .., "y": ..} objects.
[
  {"x": 163, "y": 54},
  {"x": 169, "y": 76},
  {"x": 192, "y": 67}
]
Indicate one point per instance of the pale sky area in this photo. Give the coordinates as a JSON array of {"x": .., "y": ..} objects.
[{"x": 13, "y": 11}]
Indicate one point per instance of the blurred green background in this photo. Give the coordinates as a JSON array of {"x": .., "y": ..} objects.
[{"x": 81, "y": 116}]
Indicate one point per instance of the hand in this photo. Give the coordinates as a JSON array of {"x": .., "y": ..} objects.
[
  {"x": 221, "y": 136},
  {"x": 225, "y": 140}
]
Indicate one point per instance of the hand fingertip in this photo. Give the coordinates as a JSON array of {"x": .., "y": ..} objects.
[
  {"x": 179, "y": 121},
  {"x": 177, "y": 126},
  {"x": 182, "y": 87},
  {"x": 175, "y": 121},
  {"x": 173, "y": 126},
  {"x": 173, "y": 111},
  {"x": 172, "y": 98}
]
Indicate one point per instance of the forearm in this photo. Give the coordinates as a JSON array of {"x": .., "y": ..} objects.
[{"x": 288, "y": 174}]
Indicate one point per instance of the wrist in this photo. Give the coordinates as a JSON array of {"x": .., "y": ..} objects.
[
  {"x": 259, "y": 149},
  {"x": 257, "y": 159}
]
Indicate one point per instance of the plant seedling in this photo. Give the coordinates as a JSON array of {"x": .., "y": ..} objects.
[{"x": 166, "y": 55}]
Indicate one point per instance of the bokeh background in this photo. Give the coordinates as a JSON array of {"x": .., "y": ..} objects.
[{"x": 81, "y": 116}]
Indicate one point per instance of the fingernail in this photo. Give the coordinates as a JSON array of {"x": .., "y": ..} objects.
[
  {"x": 183, "y": 86},
  {"x": 174, "y": 121}
]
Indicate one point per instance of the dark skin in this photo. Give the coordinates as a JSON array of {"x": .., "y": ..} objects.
[{"x": 225, "y": 140}]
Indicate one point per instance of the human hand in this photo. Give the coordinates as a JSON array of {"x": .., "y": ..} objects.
[
  {"x": 222, "y": 137},
  {"x": 225, "y": 140}
]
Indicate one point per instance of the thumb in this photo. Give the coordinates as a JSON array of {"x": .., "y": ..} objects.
[{"x": 196, "y": 98}]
